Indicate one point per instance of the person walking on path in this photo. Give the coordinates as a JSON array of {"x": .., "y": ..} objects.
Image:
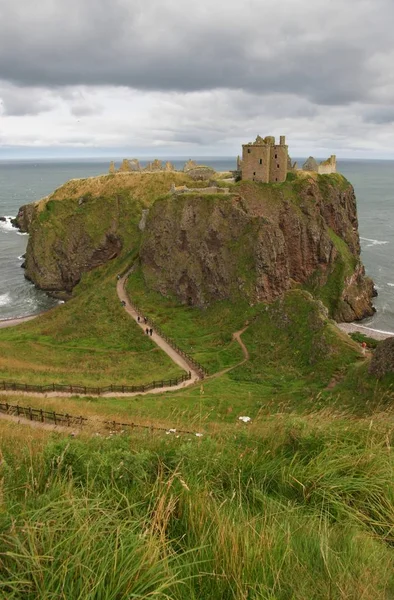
[
  {"x": 145, "y": 320},
  {"x": 151, "y": 331},
  {"x": 147, "y": 331},
  {"x": 138, "y": 319}
]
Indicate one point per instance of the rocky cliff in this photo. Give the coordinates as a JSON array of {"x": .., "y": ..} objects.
[
  {"x": 86, "y": 223},
  {"x": 24, "y": 217},
  {"x": 256, "y": 242},
  {"x": 259, "y": 242}
]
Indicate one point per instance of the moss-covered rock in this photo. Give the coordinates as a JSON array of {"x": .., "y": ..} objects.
[
  {"x": 85, "y": 223},
  {"x": 258, "y": 242},
  {"x": 382, "y": 362},
  {"x": 254, "y": 243}
]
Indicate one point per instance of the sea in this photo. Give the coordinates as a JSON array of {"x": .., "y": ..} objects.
[{"x": 24, "y": 181}]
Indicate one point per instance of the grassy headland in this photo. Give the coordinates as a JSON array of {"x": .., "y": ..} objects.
[{"x": 296, "y": 504}]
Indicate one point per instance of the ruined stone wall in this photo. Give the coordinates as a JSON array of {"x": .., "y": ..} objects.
[
  {"x": 213, "y": 189},
  {"x": 278, "y": 164},
  {"x": 256, "y": 162},
  {"x": 328, "y": 166}
]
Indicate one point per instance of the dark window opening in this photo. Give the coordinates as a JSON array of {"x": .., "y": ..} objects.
[
  {"x": 277, "y": 166},
  {"x": 254, "y": 172},
  {"x": 261, "y": 161},
  {"x": 276, "y": 179},
  {"x": 248, "y": 150},
  {"x": 276, "y": 156}
]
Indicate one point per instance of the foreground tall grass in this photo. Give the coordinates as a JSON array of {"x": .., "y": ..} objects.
[{"x": 295, "y": 507}]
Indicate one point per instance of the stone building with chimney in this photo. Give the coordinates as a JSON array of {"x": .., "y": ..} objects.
[{"x": 265, "y": 161}]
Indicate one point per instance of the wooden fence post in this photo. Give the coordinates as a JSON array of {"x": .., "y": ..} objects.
[
  {"x": 54, "y": 418},
  {"x": 30, "y": 413},
  {"x": 17, "y": 409},
  {"x": 41, "y": 415}
]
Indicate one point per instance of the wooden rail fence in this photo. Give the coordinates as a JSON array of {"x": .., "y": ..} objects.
[
  {"x": 43, "y": 416},
  {"x": 195, "y": 365},
  {"x": 89, "y": 390},
  {"x": 66, "y": 420}
]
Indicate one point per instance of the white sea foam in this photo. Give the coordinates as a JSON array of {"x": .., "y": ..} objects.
[
  {"x": 7, "y": 225},
  {"x": 373, "y": 242},
  {"x": 5, "y": 299},
  {"x": 391, "y": 284},
  {"x": 372, "y": 329}
]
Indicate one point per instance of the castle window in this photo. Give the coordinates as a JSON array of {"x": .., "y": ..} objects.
[
  {"x": 248, "y": 150},
  {"x": 276, "y": 179},
  {"x": 261, "y": 161},
  {"x": 254, "y": 172},
  {"x": 277, "y": 166},
  {"x": 276, "y": 156}
]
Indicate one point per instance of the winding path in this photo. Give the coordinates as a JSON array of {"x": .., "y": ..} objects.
[
  {"x": 176, "y": 357},
  {"x": 159, "y": 341}
]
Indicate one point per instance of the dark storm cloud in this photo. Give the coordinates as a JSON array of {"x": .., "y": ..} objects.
[{"x": 319, "y": 51}]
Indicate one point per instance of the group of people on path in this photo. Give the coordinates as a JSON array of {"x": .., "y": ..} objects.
[{"x": 148, "y": 330}]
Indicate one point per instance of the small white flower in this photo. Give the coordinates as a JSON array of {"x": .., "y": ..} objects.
[
  {"x": 244, "y": 419},
  {"x": 199, "y": 434}
]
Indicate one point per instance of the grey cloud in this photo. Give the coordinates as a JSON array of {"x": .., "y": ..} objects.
[
  {"x": 380, "y": 115},
  {"x": 85, "y": 110},
  {"x": 17, "y": 102},
  {"x": 318, "y": 52}
]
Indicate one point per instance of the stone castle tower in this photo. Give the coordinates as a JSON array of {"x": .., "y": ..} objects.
[{"x": 264, "y": 160}]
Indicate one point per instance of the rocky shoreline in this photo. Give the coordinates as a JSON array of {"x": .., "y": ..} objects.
[{"x": 375, "y": 334}]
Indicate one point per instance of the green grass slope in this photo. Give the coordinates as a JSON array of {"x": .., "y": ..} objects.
[
  {"x": 291, "y": 507},
  {"x": 89, "y": 340}
]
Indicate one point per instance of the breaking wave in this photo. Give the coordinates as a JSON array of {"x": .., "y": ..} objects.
[
  {"x": 7, "y": 225},
  {"x": 373, "y": 242},
  {"x": 5, "y": 299}
]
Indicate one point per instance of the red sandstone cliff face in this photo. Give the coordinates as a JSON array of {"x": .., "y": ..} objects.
[{"x": 259, "y": 242}]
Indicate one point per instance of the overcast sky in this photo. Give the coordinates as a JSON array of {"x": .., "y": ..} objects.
[{"x": 187, "y": 77}]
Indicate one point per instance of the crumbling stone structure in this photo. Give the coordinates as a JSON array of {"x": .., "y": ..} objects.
[
  {"x": 125, "y": 166},
  {"x": 212, "y": 189},
  {"x": 265, "y": 161},
  {"x": 326, "y": 167}
]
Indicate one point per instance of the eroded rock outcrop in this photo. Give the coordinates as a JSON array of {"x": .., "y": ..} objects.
[
  {"x": 382, "y": 362},
  {"x": 255, "y": 242},
  {"x": 86, "y": 223},
  {"x": 24, "y": 217},
  {"x": 259, "y": 242}
]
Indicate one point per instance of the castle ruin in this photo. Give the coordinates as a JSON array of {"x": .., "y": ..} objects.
[
  {"x": 265, "y": 161},
  {"x": 324, "y": 168}
]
